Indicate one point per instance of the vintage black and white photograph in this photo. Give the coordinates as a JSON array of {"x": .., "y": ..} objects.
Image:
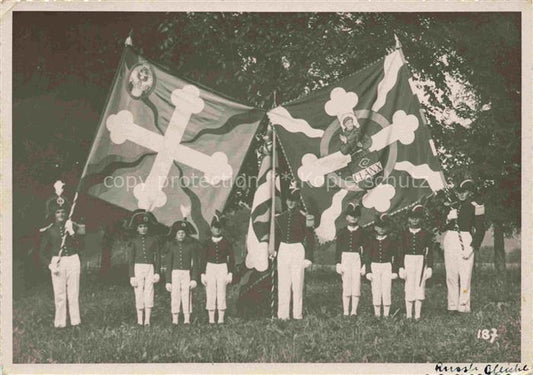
[{"x": 267, "y": 187}]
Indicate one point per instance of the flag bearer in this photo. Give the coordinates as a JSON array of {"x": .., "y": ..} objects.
[
  {"x": 464, "y": 236},
  {"x": 182, "y": 257},
  {"x": 380, "y": 254},
  {"x": 63, "y": 262},
  {"x": 217, "y": 266},
  {"x": 415, "y": 261},
  {"x": 292, "y": 228},
  {"x": 349, "y": 264},
  {"x": 144, "y": 259}
]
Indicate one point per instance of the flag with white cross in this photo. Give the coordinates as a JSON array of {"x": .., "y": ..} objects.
[
  {"x": 167, "y": 145},
  {"x": 362, "y": 140}
]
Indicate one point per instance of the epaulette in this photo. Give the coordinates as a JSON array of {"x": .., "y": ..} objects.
[
  {"x": 44, "y": 229},
  {"x": 479, "y": 208}
]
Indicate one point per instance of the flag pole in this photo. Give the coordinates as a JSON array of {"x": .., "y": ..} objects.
[{"x": 271, "y": 242}]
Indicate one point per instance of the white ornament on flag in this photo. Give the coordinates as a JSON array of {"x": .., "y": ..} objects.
[
  {"x": 402, "y": 129},
  {"x": 422, "y": 171},
  {"x": 391, "y": 67},
  {"x": 326, "y": 230},
  {"x": 379, "y": 197},
  {"x": 340, "y": 102},
  {"x": 280, "y": 116},
  {"x": 313, "y": 170},
  {"x": 187, "y": 101}
]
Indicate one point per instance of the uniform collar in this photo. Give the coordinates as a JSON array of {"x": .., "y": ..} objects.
[
  {"x": 353, "y": 228},
  {"x": 414, "y": 231},
  {"x": 378, "y": 237},
  {"x": 216, "y": 239}
]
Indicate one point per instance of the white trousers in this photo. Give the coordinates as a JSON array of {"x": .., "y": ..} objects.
[
  {"x": 414, "y": 290},
  {"x": 290, "y": 278},
  {"x": 180, "y": 295},
  {"x": 216, "y": 275},
  {"x": 351, "y": 274},
  {"x": 381, "y": 283},
  {"x": 144, "y": 291},
  {"x": 458, "y": 270},
  {"x": 66, "y": 286}
]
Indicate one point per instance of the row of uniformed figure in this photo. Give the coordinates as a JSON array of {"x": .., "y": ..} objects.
[
  {"x": 380, "y": 257},
  {"x": 186, "y": 261}
]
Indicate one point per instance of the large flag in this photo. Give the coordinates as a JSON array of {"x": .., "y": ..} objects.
[
  {"x": 362, "y": 140},
  {"x": 167, "y": 145},
  {"x": 259, "y": 240}
]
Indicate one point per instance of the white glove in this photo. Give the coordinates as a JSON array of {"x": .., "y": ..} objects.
[
  {"x": 369, "y": 276},
  {"x": 69, "y": 227},
  {"x": 133, "y": 282},
  {"x": 229, "y": 278},
  {"x": 401, "y": 273},
  {"x": 394, "y": 276},
  {"x": 168, "y": 287},
  {"x": 156, "y": 278},
  {"x": 363, "y": 270},
  {"x": 307, "y": 263},
  {"x": 452, "y": 214},
  {"x": 54, "y": 265},
  {"x": 428, "y": 273},
  {"x": 192, "y": 284},
  {"x": 338, "y": 268},
  {"x": 203, "y": 279}
]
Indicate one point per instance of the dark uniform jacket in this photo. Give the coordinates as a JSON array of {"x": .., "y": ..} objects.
[
  {"x": 470, "y": 218},
  {"x": 291, "y": 228},
  {"x": 420, "y": 243},
  {"x": 51, "y": 243},
  {"x": 350, "y": 242},
  {"x": 182, "y": 255},
  {"x": 218, "y": 252},
  {"x": 143, "y": 250},
  {"x": 381, "y": 251}
]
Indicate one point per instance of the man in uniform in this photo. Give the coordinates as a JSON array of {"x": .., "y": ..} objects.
[
  {"x": 348, "y": 255},
  {"x": 58, "y": 250},
  {"x": 465, "y": 232},
  {"x": 292, "y": 228},
  {"x": 144, "y": 260},
  {"x": 183, "y": 254},
  {"x": 415, "y": 261},
  {"x": 217, "y": 270}
]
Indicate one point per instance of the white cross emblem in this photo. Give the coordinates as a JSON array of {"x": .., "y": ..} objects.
[
  {"x": 187, "y": 101},
  {"x": 313, "y": 169}
]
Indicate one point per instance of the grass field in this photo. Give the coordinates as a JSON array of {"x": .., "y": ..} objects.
[{"x": 109, "y": 334}]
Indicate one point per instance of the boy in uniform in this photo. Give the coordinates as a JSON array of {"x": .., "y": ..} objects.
[
  {"x": 59, "y": 248},
  {"x": 380, "y": 257},
  {"x": 144, "y": 260},
  {"x": 465, "y": 233},
  {"x": 349, "y": 251},
  {"x": 182, "y": 255},
  {"x": 292, "y": 228},
  {"x": 415, "y": 261},
  {"x": 217, "y": 266}
]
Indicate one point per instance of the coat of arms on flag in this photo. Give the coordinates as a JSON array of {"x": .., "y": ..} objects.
[
  {"x": 361, "y": 140},
  {"x": 167, "y": 145}
]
